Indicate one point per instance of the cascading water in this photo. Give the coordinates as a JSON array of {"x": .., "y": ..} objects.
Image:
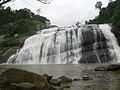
[{"x": 70, "y": 45}]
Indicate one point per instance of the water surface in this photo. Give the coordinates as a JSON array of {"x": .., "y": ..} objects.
[{"x": 99, "y": 80}]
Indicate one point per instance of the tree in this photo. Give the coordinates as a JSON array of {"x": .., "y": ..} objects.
[
  {"x": 44, "y": 1},
  {"x": 109, "y": 14},
  {"x": 2, "y": 2},
  {"x": 98, "y": 5},
  {"x": 20, "y": 22}
]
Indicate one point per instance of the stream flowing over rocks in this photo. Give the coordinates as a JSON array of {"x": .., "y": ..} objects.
[{"x": 69, "y": 45}]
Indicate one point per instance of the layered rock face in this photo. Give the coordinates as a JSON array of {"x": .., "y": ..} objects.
[{"x": 94, "y": 46}]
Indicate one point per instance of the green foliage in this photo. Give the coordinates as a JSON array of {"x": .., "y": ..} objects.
[
  {"x": 21, "y": 22},
  {"x": 98, "y": 5},
  {"x": 109, "y": 14}
]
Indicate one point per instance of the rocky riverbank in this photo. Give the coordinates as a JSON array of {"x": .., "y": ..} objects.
[
  {"x": 72, "y": 77},
  {"x": 13, "y": 79}
]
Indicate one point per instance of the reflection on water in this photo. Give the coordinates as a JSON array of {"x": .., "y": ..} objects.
[{"x": 98, "y": 81}]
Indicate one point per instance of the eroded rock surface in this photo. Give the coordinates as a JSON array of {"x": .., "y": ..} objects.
[{"x": 19, "y": 79}]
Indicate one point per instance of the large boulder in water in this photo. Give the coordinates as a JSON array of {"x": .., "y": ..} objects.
[{"x": 13, "y": 79}]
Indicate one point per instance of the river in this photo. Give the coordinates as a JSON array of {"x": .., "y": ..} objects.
[{"x": 99, "y": 80}]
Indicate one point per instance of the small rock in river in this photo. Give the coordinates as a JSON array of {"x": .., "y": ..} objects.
[
  {"x": 64, "y": 79},
  {"x": 55, "y": 82},
  {"x": 48, "y": 77},
  {"x": 86, "y": 77},
  {"x": 76, "y": 79},
  {"x": 100, "y": 69}
]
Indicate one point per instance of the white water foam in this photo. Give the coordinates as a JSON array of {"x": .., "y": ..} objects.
[{"x": 66, "y": 46}]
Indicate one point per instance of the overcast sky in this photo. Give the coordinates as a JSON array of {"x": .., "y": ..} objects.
[{"x": 62, "y": 12}]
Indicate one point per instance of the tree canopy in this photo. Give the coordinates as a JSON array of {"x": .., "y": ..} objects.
[
  {"x": 109, "y": 14},
  {"x": 2, "y": 2},
  {"x": 98, "y": 5},
  {"x": 20, "y": 22}
]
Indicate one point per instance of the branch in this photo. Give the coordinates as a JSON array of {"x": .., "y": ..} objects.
[
  {"x": 43, "y": 1},
  {"x": 4, "y": 2}
]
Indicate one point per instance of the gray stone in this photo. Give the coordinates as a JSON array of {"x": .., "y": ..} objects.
[
  {"x": 101, "y": 68},
  {"x": 23, "y": 86},
  {"x": 85, "y": 77},
  {"x": 64, "y": 79},
  {"x": 55, "y": 82},
  {"x": 112, "y": 67},
  {"x": 23, "y": 79},
  {"x": 76, "y": 79}
]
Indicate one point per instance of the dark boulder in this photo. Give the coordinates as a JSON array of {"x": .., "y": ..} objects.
[
  {"x": 86, "y": 77},
  {"x": 55, "y": 82},
  {"x": 101, "y": 68},
  {"x": 23, "y": 86},
  {"x": 112, "y": 67},
  {"x": 22, "y": 80},
  {"x": 116, "y": 32},
  {"x": 64, "y": 79},
  {"x": 60, "y": 80}
]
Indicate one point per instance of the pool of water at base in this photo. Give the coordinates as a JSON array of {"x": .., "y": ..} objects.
[{"x": 101, "y": 80}]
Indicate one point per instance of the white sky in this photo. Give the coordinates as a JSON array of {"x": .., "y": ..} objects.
[{"x": 62, "y": 12}]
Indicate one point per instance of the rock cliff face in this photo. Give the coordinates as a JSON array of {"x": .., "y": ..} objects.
[
  {"x": 9, "y": 46},
  {"x": 94, "y": 47},
  {"x": 116, "y": 31}
]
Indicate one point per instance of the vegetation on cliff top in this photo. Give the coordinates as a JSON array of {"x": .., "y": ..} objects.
[
  {"x": 19, "y": 22},
  {"x": 109, "y": 14}
]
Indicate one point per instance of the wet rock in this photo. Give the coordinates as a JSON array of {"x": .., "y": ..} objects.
[
  {"x": 94, "y": 40},
  {"x": 56, "y": 88},
  {"x": 9, "y": 46},
  {"x": 58, "y": 81},
  {"x": 23, "y": 86},
  {"x": 100, "y": 69},
  {"x": 55, "y": 82},
  {"x": 86, "y": 77},
  {"x": 48, "y": 77},
  {"x": 23, "y": 79},
  {"x": 116, "y": 31},
  {"x": 64, "y": 79},
  {"x": 6, "y": 52},
  {"x": 66, "y": 86},
  {"x": 112, "y": 67},
  {"x": 76, "y": 79}
]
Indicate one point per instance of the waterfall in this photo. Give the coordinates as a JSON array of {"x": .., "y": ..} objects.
[{"x": 70, "y": 45}]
